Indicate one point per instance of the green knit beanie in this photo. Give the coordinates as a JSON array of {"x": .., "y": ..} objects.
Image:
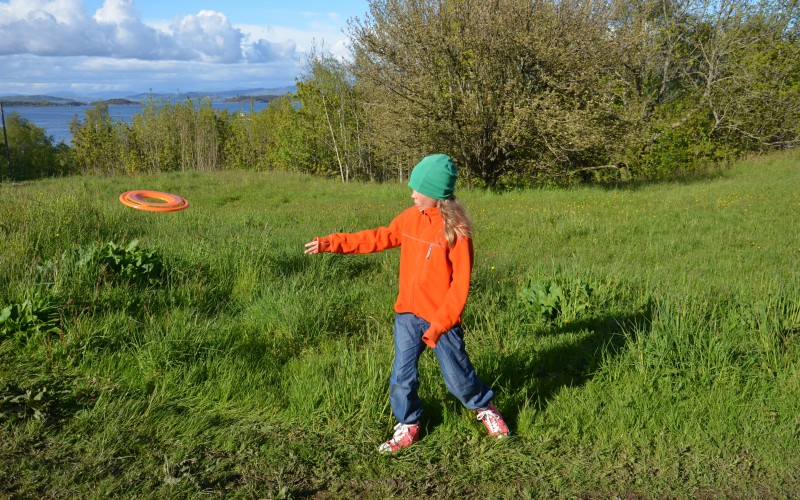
[{"x": 434, "y": 176}]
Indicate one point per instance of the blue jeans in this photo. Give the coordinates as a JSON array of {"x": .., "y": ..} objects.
[{"x": 457, "y": 370}]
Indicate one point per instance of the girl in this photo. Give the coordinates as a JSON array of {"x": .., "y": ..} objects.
[{"x": 436, "y": 258}]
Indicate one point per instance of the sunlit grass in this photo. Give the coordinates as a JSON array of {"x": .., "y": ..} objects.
[{"x": 251, "y": 369}]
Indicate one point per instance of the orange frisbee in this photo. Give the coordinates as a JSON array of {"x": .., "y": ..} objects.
[{"x": 153, "y": 201}]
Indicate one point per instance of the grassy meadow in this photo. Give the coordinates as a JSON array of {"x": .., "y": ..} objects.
[{"x": 644, "y": 342}]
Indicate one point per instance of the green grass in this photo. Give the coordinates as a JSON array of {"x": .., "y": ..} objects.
[{"x": 249, "y": 369}]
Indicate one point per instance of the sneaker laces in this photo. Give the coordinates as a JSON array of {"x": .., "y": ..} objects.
[
  {"x": 400, "y": 431},
  {"x": 402, "y": 438},
  {"x": 492, "y": 419}
]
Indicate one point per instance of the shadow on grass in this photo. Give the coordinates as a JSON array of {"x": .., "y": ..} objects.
[
  {"x": 334, "y": 267},
  {"x": 682, "y": 178},
  {"x": 536, "y": 377},
  {"x": 52, "y": 400}
]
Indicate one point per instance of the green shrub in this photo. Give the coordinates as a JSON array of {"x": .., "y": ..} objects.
[
  {"x": 129, "y": 263},
  {"x": 17, "y": 404},
  {"x": 551, "y": 301},
  {"x": 29, "y": 317}
]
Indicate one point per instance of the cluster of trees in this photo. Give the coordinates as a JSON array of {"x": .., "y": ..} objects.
[
  {"x": 522, "y": 91},
  {"x": 519, "y": 92},
  {"x": 34, "y": 155},
  {"x": 189, "y": 135}
]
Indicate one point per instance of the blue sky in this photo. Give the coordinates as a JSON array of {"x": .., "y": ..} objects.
[{"x": 114, "y": 47}]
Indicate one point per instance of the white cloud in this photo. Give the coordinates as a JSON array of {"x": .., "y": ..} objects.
[
  {"x": 319, "y": 35},
  {"x": 124, "y": 35},
  {"x": 42, "y": 27},
  {"x": 63, "y": 28},
  {"x": 209, "y": 36},
  {"x": 263, "y": 51},
  {"x": 69, "y": 12},
  {"x": 24, "y": 73},
  {"x": 50, "y": 45},
  {"x": 117, "y": 12}
]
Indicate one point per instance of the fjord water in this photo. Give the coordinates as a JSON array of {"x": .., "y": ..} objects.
[{"x": 55, "y": 119}]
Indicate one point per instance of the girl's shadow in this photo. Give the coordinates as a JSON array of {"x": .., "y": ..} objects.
[{"x": 535, "y": 377}]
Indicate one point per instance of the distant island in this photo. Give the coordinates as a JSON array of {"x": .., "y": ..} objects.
[
  {"x": 38, "y": 100},
  {"x": 251, "y": 98},
  {"x": 261, "y": 95},
  {"x": 117, "y": 102},
  {"x": 32, "y": 101}
]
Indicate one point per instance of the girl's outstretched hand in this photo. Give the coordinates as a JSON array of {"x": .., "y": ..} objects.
[{"x": 312, "y": 247}]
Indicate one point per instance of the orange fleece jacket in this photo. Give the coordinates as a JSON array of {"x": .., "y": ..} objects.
[{"x": 434, "y": 276}]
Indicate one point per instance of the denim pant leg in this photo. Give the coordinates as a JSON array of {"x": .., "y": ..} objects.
[
  {"x": 404, "y": 382},
  {"x": 458, "y": 372}
]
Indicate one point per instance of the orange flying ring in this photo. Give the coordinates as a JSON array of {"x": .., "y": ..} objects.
[{"x": 153, "y": 201}]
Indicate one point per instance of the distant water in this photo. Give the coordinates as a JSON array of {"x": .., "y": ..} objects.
[{"x": 55, "y": 119}]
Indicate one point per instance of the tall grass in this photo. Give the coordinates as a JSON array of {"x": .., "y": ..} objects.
[{"x": 250, "y": 369}]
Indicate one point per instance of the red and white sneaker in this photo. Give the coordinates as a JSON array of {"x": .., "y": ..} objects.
[
  {"x": 493, "y": 421},
  {"x": 404, "y": 436}
]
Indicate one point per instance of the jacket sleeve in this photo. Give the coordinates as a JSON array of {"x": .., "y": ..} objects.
[
  {"x": 367, "y": 241},
  {"x": 461, "y": 257}
]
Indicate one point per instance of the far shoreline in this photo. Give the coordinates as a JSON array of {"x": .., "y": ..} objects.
[{"x": 47, "y": 104}]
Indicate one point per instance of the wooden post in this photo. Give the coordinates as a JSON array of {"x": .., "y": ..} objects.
[{"x": 5, "y": 141}]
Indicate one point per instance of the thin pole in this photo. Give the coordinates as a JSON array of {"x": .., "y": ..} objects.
[{"x": 5, "y": 141}]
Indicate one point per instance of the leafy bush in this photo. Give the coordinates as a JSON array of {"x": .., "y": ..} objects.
[
  {"x": 130, "y": 263},
  {"x": 29, "y": 317},
  {"x": 17, "y": 404},
  {"x": 551, "y": 301}
]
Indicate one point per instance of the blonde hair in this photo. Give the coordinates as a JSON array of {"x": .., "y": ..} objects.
[{"x": 456, "y": 220}]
